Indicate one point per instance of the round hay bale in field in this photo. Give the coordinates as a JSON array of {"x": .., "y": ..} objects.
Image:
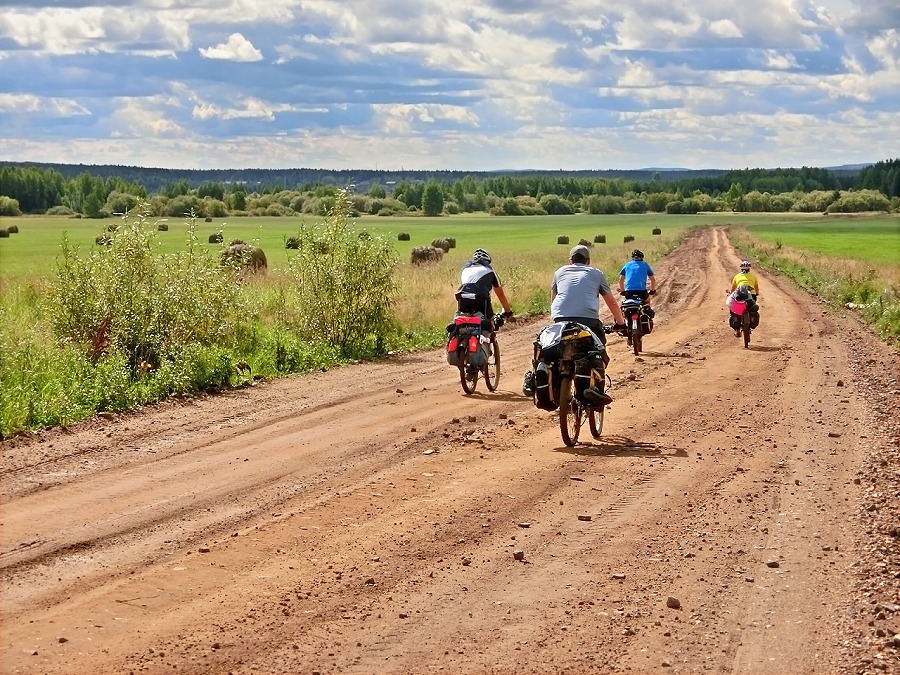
[
  {"x": 452, "y": 242},
  {"x": 403, "y": 236},
  {"x": 245, "y": 257},
  {"x": 12, "y": 229},
  {"x": 208, "y": 219},
  {"x": 656, "y": 230},
  {"x": 4, "y": 233},
  {"x": 627, "y": 238},
  {"x": 292, "y": 243},
  {"x": 443, "y": 244},
  {"x": 585, "y": 242},
  {"x": 562, "y": 239},
  {"x": 235, "y": 242},
  {"x": 163, "y": 227},
  {"x": 103, "y": 240},
  {"x": 363, "y": 236},
  {"x": 216, "y": 238},
  {"x": 112, "y": 227},
  {"x": 600, "y": 239},
  {"x": 425, "y": 255}
]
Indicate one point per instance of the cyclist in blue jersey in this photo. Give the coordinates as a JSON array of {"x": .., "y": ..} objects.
[{"x": 634, "y": 277}]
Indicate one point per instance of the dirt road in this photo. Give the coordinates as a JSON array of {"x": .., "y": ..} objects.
[{"x": 734, "y": 518}]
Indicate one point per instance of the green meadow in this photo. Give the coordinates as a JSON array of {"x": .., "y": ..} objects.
[
  {"x": 871, "y": 239},
  {"x": 33, "y": 250}
]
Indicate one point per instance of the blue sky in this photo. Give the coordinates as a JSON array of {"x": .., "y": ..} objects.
[{"x": 450, "y": 84}]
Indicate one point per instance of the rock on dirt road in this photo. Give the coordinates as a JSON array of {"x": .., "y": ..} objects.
[{"x": 739, "y": 515}]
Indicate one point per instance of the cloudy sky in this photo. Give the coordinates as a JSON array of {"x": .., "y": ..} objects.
[{"x": 450, "y": 84}]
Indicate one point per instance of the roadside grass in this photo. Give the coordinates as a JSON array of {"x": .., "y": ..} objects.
[{"x": 839, "y": 264}]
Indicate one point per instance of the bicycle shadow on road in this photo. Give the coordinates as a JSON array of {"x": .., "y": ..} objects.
[
  {"x": 621, "y": 446},
  {"x": 507, "y": 396},
  {"x": 668, "y": 355}
]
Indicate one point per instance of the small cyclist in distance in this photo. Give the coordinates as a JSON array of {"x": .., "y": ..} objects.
[
  {"x": 745, "y": 278},
  {"x": 634, "y": 278}
]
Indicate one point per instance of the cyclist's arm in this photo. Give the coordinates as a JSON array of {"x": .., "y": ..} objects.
[
  {"x": 501, "y": 296},
  {"x": 621, "y": 283},
  {"x": 610, "y": 301},
  {"x": 652, "y": 280}
]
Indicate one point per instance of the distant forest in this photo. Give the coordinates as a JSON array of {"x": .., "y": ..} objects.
[{"x": 96, "y": 191}]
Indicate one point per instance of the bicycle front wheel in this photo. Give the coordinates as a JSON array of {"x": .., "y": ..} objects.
[
  {"x": 595, "y": 420},
  {"x": 492, "y": 368}
]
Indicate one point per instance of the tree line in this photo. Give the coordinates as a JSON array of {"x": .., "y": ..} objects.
[{"x": 88, "y": 192}]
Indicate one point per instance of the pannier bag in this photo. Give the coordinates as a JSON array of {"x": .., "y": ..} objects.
[
  {"x": 563, "y": 340},
  {"x": 464, "y": 334}
]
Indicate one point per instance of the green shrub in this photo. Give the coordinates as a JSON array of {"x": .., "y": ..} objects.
[
  {"x": 343, "y": 291},
  {"x": 129, "y": 300}
]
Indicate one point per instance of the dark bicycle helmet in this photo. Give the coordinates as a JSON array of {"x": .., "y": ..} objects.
[
  {"x": 742, "y": 294},
  {"x": 637, "y": 254},
  {"x": 745, "y": 266},
  {"x": 481, "y": 256}
]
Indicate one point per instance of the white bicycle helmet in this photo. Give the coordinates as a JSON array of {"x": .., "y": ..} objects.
[
  {"x": 481, "y": 256},
  {"x": 745, "y": 266}
]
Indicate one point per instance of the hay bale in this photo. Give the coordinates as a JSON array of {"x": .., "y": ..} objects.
[
  {"x": 585, "y": 242},
  {"x": 245, "y": 257},
  {"x": 208, "y": 219},
  {"x": 628, "y": 238},
  {"x": 562, "y": 239},
  {"x": 656, "y": 230},
  {"x": 163, "y": 227},
  {"x": 363, "y": 236},
  {"x": 600, "y": 239},
  {"x": 112, "y": 227},
  {"x": 292, "y": 243},
  {"x": 237, "y": 242},
  {"x": 12, "y": 229},
  {"x": 4, "y": 233},
  {"x": 452, "y": 241},
  {"x": 216, "y": 238},
  {"x": 103, "y": 240},
  {"x": 403, "y": 236},
  {"x": 425, "y": 255},
  {"x": 443, "y": 244}
]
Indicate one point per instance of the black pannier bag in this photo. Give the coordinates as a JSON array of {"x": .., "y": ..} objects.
[
  {"x": 563, "y": 340},
  {"x": 460, "y": 332}
]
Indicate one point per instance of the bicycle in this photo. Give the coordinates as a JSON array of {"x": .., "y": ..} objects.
[
  {"x": 638, "y": 321},
  {"x": 473, "y": 352},
  {"x": 565, "y": 352}
]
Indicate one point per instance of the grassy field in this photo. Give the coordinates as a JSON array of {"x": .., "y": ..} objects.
[
  {"x": 870, "y": 239},
  {"x": 33, "y": 250}
]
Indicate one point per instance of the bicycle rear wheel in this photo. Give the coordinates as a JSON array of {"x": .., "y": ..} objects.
[
  {"x": 492, "y": 368},
  {"x": 468, "y": 375},
  {"x": 570, "y": 411},
  {"x": 745, "y": 329},
  {"x": 595, "y": 420}
]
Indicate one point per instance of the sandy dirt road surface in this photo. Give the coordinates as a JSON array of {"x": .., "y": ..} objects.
[{"x": 367, "y": 519}]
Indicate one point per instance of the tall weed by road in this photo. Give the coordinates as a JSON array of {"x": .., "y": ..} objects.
[
  {"x": 341, "y": 284},
  {"x": 872, "y": 290},
  {"x": 126, "y": 298}
]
